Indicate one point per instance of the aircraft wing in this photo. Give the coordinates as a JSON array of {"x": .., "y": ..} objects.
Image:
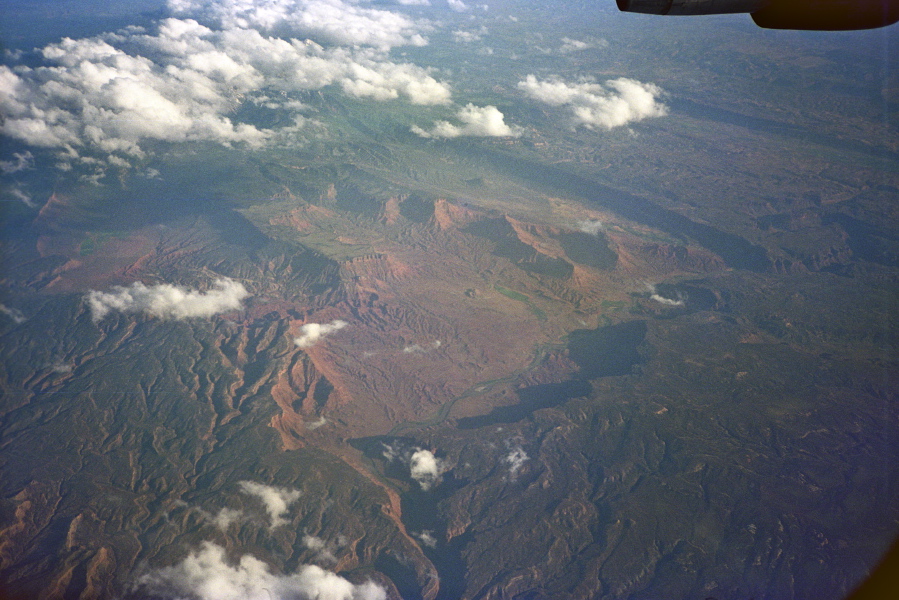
[{"x": 822, "y": 15}]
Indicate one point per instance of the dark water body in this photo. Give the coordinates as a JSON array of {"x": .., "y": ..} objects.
[
  {"x": 416, "y": 209},
  {"x": 868, "y": 242},
  {"x": 421, "y": 512},
  {"x": 602, "y": 352},
  {"x": 590, "y": 250},
  {"x": 694, "y": 298},
  {"x": 736, "y": 252},
  {"x": 402, "y": 575},
  {"x": 530, "y": 398},
  {"x": 523, "y": 256},
  {"x": 352, "y": 199},
  {"x": 607, "y": 351},
  {"x": 797, "y": 132}
]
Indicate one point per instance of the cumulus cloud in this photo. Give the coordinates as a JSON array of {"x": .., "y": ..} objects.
[
  {"x": 206, "y": 574},
  {"x": 22, "y": 197},
  {"x": 425, "y": 468},
  {"x": 226, "y": 517},
  {"x": 13, "y": 313},
  {"x": 590, "y": 226},
  {"x": 316, "y": 424},
  {"x": 223, "y": 519},
  {"x": 570, "y": 45},
  {"x": 310, "y": 333},
  {"x": 21, "y": 161},
  {"x": 457, "y": 5},
  {"x": 426, "y": 538},
  {"x": 613, "y": 104},
  {"x": 111, "y": 94},
  {"x": 324, "y": 551},
  {"x": 515, "y": 459},
  {"x": 168, "y": 301},
  {"x": 418, "y": 348},
  {"x": 276, "y": 500},
  {"x": 477, "y": 121},
  {"x": 466, "y": 37},
  {"x": 654, "y": 295},
  {"x": 332, "y": 21}
]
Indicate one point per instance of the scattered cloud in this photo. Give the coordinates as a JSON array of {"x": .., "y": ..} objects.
[
  {"x": 328, "y": 21},
  {"x": 21, "y": 161},
  {"x": 515, "y": 459},
  {"x": 654, "y": 295},
  {"x": 569, "y": 45},
  {"x": 457, "y": 5},
  {"x": 168, "y": 301},
  {"x": 109, "y": 95},
  {"x": 22, "y": 197},
  {"x": 486, "y": 121},
  {"x": 426, "y": 538},
  {"x": 227, "y": 517},
  {"x": 591, "y": 226},
  {"x": 466, "y": 37},
  {"x": 425, "y": 468},
  {"x": 223, "y": 519},
  {"x": 417, "y": 348},
  {"x": 324, "y": 551},
  {"x": 276, "y": 500},
  {"x": 316, "y": 424},
  {"x": 310, "y": 333},
  {"x": 15, "y": 314},
  {"x": 207, "y": 574},
  {"x": 613, "y": 104}
]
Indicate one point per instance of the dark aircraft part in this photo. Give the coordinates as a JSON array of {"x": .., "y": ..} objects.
[
  {"x": 827, "y": 15},
  {"x": 690, "y": 7},
  {"x": 822, "y": 15}
]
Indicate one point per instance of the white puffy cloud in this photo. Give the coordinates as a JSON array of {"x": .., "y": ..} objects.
[
  {"x": 110, "y": 94},
  {"x": 276, "y": 500},
  {"x": 324, "y": 551},
  {"x": 457, "y": 5},
  {"x": 382, "y": 80},
  {"x": 310, "y": 333},
  {"x": 22, "y": 197},
  {"x": 333, "y": 21},
  {"x": 613, "y": 104},
  {"x": 425, "y": 468},
  {"x": 570, "y": 45},
  {"x": 206, "y": 574},
  {"x": 477, "y": 121},
  {"x": 466, "y": 37},
  {"x": 418, "y": 348},
  {"x": 168, "y": 301},
  {"x": 655, "y": 296},
  {"x": 21, "y": 161},
  {"x": 223, "y": 519},
  {"x": 15, "y": 314},
  {"x": 515, "y": 459},
  {"x": 590, "y": 226},
  {"x": 226, "y": 517},
  {"x": 426, "y": 537}
]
